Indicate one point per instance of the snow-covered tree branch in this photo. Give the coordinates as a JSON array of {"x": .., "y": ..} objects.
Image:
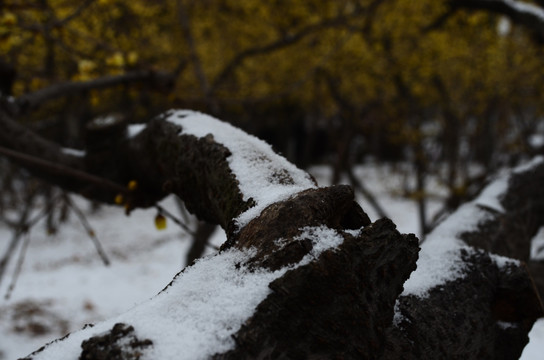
[{"x": 304, "y": 272}]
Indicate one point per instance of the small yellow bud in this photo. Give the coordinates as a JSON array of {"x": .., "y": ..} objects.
[
  {"x": 116, "y": 60},
  {"x": 119, "y": 199},
  {"x": 160, "y": 222},
  {"x": 95, "y": 99},
  {"x": 132, "y": 58},
  {"x": 132, "y": 185},
  {"x": 86, "y": 66},
  {"x": 8, "y": 19}
]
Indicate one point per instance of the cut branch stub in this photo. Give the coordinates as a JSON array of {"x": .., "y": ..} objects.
[
  {"x": 273, "y": 233},
  {"x": 338, "y": 306}
]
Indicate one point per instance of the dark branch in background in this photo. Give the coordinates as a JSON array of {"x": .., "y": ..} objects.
[
  {"x": 346, "y": 105},
  {"x": 81, "y": 216},
  {"x": 56, "y": 23},
  {"x": 522, "y": 13},
  {"x": 31, "y": 161},
  {"x": 278, "y": 44},
  {"x": 185, "y": 24},
  {"x": 33, "y": 100},
  {"x": 19, "y": 230}
]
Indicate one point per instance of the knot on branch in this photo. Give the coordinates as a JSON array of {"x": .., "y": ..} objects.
[
  {"x": 306, "y": 314},
  {"x": 277, "y": 227}
]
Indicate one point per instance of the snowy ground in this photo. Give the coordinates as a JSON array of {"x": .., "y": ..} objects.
[{"x": 64, "y": 285}]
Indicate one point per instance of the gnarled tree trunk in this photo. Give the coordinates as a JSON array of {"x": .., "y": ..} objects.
[{"x": 313, "y": 277}]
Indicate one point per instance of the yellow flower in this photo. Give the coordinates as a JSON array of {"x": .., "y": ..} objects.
[
  {"x": 116, "y": 60},
  {"x": 132, "y": 58},
  {"x": 119, "y": 199},
  {"x": 132, "y": 185},
  {"x": 160, "y": 222},
  {"x": 86, "y": 66},
  {"x": 8, "y": 19}
]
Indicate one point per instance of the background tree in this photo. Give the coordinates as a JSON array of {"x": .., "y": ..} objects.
[{"x": 393, "y": 80}]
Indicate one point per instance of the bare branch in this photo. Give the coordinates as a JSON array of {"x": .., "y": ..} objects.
[
  {"x": 32, "y": 100},
  {"x": 189, "y": 39},
  {"x": 278, "y": 44},
  {"x": 59, "y": 23}
]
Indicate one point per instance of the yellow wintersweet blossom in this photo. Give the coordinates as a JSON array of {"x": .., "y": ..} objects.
[
  {"x": 132, "y": 185},
  {"x": 8, "y": 19},
  {"x": 160, "y": 222},
  {"x": 132, "y": 58},
  {"x": 119, "y": 199},
  {"x": 116, "y": 60},
  {"x": 86, "y": 66}
]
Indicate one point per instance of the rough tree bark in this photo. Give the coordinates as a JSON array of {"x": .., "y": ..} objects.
[{"x": 347, "y": 302}]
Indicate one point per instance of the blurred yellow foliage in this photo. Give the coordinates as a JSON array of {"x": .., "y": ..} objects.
[
  {"x": 116, "y": 60},
  {"x": 86, "y": 66},
  {"x": 8, "y": 19},
  {"x": 389, "y": 56}
]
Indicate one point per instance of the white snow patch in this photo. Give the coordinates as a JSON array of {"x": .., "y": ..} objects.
[
  {"x": 263, "y": 175},
  {"x": 528, "y": 166},
  {"x": 135, "y": 129},
  {"x": 439, "y": 259},
  {"x": 506, "y": 325},
  {"x": 504, "y": 26},
  {"x": 502, "y": 261},
  {"x": 192, "y": 319},
  {"x": 536, "y": 141},
  {"x": 491, "y": 196},
  {"x": 322, "y": 237},
  {"x": 523, "y": 7},
  {"x": 73, "y": 152},
  {"x": 206, "y": 304},
  {"x": 106, "y": 120},
  {"x": 535, "y": 348},
  {"x": 537, "y": 245},
  {"x": 397, "y": 316}
]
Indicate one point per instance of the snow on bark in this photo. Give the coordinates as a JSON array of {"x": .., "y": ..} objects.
[
  {"x": 460, "y": 287},
  {"x": 523, "y": 7},
  {"x": 440, "y": 258},
  {"x": 197, "y": 314},
  {"x": 263, "y": 175}
]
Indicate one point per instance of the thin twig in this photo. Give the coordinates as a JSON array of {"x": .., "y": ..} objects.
[
  {"x": 281, "y": 43},
  {"x": 56, "y": 167},
  {"x": 18, "y": 266},
  {"x": 90, "y": 231},
  {"x": 174, "y": 219},
  {"x": 358, "y": 184},
  {"x": 22, "y": 226},
  {"x": 33, "y": 100}
]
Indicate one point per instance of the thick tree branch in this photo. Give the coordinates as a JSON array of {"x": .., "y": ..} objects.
[
  {"x": 503, "y": 220},
  {"x": 33, "y": 100},
  {"x": 334, "y": 278},
  {"x": 57, "y": 23},
  {"x": 278, "y": 44}
]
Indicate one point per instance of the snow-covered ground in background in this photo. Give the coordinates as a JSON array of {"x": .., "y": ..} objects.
[{"x": 64, "y": 285}]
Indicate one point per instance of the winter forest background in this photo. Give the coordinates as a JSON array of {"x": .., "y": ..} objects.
[{"x": 418, "y": 105}]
